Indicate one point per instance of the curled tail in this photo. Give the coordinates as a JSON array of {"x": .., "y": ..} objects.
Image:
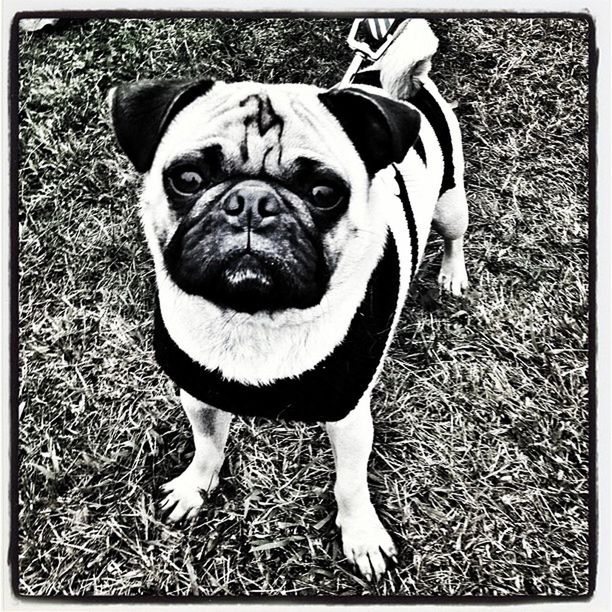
[{"x": 407, "y": 61}]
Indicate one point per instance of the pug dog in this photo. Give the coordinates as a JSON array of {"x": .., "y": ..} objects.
[{"x": 285, "y": 223}]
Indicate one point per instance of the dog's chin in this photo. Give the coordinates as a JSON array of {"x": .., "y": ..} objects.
[{"x": 254, "y": 283}]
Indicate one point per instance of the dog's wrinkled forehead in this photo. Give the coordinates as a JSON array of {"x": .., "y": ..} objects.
[
  {"x": 345, "y": 128},
  {"x": 260, "y": 128}
]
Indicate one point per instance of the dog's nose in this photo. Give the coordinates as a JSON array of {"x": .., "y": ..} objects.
[{"x": 251, "y": 203}]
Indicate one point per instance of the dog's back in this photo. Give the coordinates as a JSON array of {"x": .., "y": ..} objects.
[{"x": 432, "y": 172}]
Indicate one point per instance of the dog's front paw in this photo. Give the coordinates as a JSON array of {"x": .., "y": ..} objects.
[
  {"x": 183, "y": 495},
  {"x": 367, "y": 545},
  {"x": 453, "y": 276}
]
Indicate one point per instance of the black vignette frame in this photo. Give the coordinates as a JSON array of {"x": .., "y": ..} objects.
[{"x": 61, "y": 384}]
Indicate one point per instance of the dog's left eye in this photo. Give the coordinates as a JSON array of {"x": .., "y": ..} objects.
[
  {"x": 186, "y": 180},
  {"x": 326, "y": 197}
]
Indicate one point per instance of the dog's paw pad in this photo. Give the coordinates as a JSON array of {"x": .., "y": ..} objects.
[
  {"x": 368, "y": 546},
  {"x": 183, "y": 497}
]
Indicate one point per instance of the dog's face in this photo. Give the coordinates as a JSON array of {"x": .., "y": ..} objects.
[{"x": 253, "y": 192}]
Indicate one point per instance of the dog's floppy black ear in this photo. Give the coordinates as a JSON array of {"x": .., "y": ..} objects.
[
  {"x": 382, "y": 129},
  {"x": 142, "y": 110}
]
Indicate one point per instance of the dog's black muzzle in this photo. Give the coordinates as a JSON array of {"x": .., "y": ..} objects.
[{"x": 249, "y": 251}]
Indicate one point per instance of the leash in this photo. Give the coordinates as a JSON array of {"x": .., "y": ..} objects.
[{"x": 369, "y": 38}]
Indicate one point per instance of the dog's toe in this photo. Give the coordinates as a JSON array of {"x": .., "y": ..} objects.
[
  {"x": 184, "y": 507},
  {"x": 362, "y": 563},
  {"x": 180, "y": 504},
  {"x": 371, "y": 565}
]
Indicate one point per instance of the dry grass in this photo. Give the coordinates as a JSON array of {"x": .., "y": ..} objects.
[{"x": 480, "y": 460}]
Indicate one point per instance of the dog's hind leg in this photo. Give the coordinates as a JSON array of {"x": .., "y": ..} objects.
[
  {"x": 210, "y": 428},
  {"x": 450, "y": 220},
  {"x": 365, "y": 541}
]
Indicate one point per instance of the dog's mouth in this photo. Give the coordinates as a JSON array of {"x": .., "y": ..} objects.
[
  {"x": 247, "y": 284},
  {"x": 277, "y": 264},
  {"x": 247, "y": 274},
  {"x": 252, "y": 282}
]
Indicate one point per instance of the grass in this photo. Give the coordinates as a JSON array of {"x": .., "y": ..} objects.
[{"x": 480, "y": 463}]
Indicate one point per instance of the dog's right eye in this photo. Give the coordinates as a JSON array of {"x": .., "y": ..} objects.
[{"x": 185, "y": 180}]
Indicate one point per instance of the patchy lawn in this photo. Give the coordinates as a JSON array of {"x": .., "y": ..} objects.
[{"x": 479, "y": 467}]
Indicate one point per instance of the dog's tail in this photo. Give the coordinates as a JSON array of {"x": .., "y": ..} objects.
[{"x": 408, "y": 59}]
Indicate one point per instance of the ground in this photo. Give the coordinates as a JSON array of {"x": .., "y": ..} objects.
[{"x": 479, "y": 468}]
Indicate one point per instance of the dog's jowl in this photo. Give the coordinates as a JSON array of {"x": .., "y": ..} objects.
[{"x": 285, "y": 224}]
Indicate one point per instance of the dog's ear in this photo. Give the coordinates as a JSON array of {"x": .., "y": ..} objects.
[
  {"x": 142, "y": 110},
  {"x": 382, "y": 129}
]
